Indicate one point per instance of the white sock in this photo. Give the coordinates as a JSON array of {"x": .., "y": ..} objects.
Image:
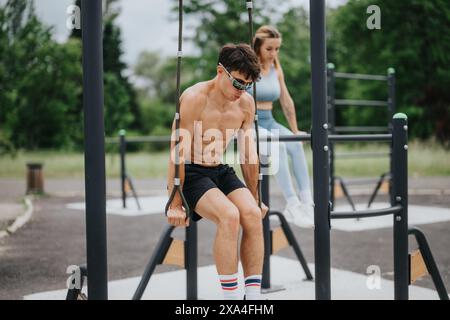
[
  {"x": 229, "y": 284},
  {"x": 253, "y": 287},
  {"x": 306, "y": 197}
]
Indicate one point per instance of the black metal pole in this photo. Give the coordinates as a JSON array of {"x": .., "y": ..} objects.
[
  {"x": 400, "y": 197},
  {"x": 157, "y": 257},
  {"x": 265, "y": 198},
  {"x": 391, "y": 109},
  {"x": 321, "y": 168},
  {"x": 94, "y": 145},
  {"x": 429, "y": 262},
  {"x": 123, "y": 174},
  {"x": 191, "y": 262},
  {"x": 332, "y": 126},
  {"x": 391, "y": 94}
]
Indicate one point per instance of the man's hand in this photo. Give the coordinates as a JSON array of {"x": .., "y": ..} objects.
[
  {"x": 264, "y": 210},
  {"x": 177, "y": 217}
]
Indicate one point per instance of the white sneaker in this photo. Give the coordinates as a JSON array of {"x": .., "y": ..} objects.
[
  {"x": 304, "y": 216},
  {"x": 290, "y": 212}
]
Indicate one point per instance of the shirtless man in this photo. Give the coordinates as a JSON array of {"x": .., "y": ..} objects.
[{"x": 211, "y": 112}]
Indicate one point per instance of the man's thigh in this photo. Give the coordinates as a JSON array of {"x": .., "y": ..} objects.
[
  {"x": 244, "y": 201},
  {"x": 212, "y": 204}
]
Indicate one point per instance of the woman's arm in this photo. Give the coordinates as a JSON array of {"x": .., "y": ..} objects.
[{"x": 287, "y": 104}]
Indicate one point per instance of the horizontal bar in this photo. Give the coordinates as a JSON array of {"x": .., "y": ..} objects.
[
  {"x": 362, "y": 154},
  {"x": 331, "y": 137},
  {"x": 282, "y": 138},
  {"x": 362, "y": 103},
  {"x": 140, "y": 139},
  {"x": 360, "y": 137},
  {"x": 287, "y": 138},
  {"x": 359, "y": 76},
  {"x": 361, "y": 129},
  {"x": 359, "y": 181},
  {"x": 365, "y": 213}
]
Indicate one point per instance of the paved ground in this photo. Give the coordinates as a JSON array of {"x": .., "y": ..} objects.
[{"x": 35, "y": 258}]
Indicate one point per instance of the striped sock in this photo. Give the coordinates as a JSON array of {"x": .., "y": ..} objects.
[
  {"x": 253, "y": 287},
  {"x": 229, "y": 283}
]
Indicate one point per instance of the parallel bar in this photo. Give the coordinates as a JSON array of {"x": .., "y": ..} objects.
[
  {"x": 320, "y": 146},
  {"x": 400, "y": 197},
  {"x": 362, "y": 155},
  {"x": 94, "y": 132},
  {"x": 365, "y": 213},
  {"x": 359, "y": 76},
  {"x": 332, "y": 137},
  {"x": 361, "y": 129},
  {"x": 360, "y": 103},
  {"x": 140, "y": 139},
  {"x": 283, "y": 138},
  {"x": 357, "y": 181},
  {"x": 360, "y": 137}
]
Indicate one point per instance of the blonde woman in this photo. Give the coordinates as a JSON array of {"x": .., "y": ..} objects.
[{"x": 270, "y": 88}]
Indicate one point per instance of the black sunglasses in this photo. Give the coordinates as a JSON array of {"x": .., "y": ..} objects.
[{"x": 238, "y": 84}]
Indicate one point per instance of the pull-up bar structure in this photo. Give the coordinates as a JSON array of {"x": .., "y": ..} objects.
[{"x": 320, "y": 139}]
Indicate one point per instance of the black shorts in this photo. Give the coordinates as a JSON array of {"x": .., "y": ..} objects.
[{"x": 199, "y": 179}]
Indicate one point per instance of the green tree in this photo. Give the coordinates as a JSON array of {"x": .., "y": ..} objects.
[
  {"x": 415, "y": 40},
  {"x": 38, "y": 86},
  {"x": 114, "y": 66}
]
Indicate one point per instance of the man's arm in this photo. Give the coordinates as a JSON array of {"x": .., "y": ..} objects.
[
  {"x": 247, "y": 149},
  {"x": 176, "y": 215}
]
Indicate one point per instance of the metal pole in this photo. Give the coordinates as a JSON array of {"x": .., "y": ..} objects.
[
  {"x": 94, "y": 149},
  {"x": 191, "y": 262},
  {"x": 123, "y": 174},
  {"x": 321, "y": 170},
  {"x": 400, "y": 197},
  {"x": 391, "y": 95},
  {"x": 332, "y": 126},
  {"x": 265, "y": 198},
  {"x": 391, "y": 110}
]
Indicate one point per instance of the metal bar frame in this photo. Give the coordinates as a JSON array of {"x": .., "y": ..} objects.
[
  {"x": 359, "y": 76},
  {"x": 320, "y": 145},
  {"x": 400, "y": 197},
  {"x": 360, "y": 103},
  {"x": 429, "y": 262},
  {"x": 95, "y": 185}
]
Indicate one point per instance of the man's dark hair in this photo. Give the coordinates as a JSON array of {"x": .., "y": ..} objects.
[{"x": 241, "y": 58}]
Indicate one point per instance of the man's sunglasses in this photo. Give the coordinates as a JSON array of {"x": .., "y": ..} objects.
[{"x": 238, "y": 84}]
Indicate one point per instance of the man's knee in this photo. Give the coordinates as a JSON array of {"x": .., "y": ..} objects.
[
  {"x": 251, "y": 219},
  {"x": 229, "y": 218}
]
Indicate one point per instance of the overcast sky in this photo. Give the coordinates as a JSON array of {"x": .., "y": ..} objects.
[{"x": 145, "y": 23}]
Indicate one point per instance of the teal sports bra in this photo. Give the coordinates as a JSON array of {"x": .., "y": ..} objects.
[{"x": 268, "y": 87}]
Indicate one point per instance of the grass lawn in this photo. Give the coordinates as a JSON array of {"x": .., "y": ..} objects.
[{"x": 425, "y": 159}]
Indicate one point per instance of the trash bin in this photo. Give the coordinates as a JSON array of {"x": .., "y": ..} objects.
[{"x": 35, "y": 178}]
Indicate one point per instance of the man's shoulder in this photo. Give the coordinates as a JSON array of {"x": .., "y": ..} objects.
[
  {"x": 247, "y": 103},
  {"x": 195, "y": 95}
]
